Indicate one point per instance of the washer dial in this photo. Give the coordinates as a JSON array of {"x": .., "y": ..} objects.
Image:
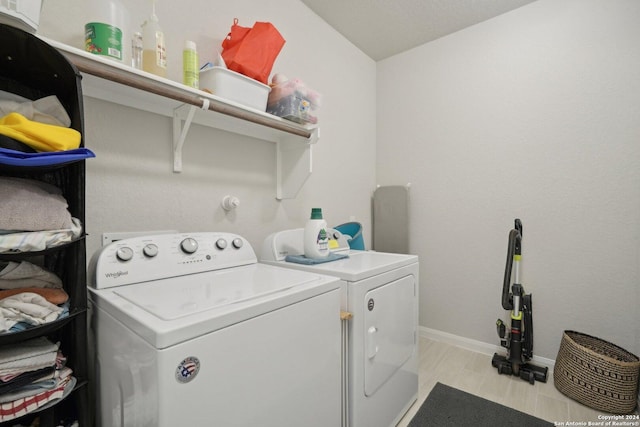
[
  {"x": 221, "y": 244},
  {"x": 189, "y": 245},
  {"x": 124, "y": 253},
  {"x": 150, "y": 250}
]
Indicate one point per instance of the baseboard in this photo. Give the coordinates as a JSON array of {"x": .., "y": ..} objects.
[{"x": 474, "y": 345}]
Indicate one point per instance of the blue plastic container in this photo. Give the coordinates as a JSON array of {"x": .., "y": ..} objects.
[{"x": 353, "y": 229}]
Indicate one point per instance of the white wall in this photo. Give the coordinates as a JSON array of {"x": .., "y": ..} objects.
[
  {"x": 534, "y": 114},
  {"x": 130, "y": 184}
]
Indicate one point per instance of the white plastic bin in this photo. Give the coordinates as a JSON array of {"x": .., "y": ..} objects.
[{"x": 235, "y": 87}]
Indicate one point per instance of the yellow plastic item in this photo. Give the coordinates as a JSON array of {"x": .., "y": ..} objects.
[{"x": 40, "y": 136}]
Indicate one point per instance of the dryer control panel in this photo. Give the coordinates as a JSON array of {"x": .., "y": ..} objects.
[{"x": 145, "y": 258}]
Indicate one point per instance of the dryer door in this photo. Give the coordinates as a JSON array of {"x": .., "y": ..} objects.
[{"x": 390, "y": 323}]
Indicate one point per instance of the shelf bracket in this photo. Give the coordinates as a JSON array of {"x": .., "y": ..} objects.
[
  {"x": 180, "y": 130},
  {"x": 294, "y": 165}
]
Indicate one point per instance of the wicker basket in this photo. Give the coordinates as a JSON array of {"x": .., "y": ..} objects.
[{"x": 597, "y": 373}]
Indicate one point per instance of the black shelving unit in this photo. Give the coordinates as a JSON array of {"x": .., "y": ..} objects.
[{"x": 31, "y": 68}]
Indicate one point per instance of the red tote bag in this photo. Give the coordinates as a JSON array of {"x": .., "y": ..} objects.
[{"x": 252, "y": 51}]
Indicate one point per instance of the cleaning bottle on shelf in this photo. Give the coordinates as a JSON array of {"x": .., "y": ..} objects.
[
  {"x": 136, "y": 50},
  {"x": 103, "y": 33},
  {"x": 316, "y": 238},
  {"x": 154, "y": 55},
  {"x": 190, "y": 68}
]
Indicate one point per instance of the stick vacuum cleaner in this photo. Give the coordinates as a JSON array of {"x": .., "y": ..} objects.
[{"x": 519, "y": 339}]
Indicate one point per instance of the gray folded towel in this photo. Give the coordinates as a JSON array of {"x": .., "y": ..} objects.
[
  {"x": 29, "y": 205},
  {"x": 14, "y": 275},
  {"x": 301, "y": 259},
  {"x": 29, "y": 355}
]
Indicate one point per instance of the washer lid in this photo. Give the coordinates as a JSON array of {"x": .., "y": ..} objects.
[
  {"x": 360, "y": 265},
  {"x": 169, "y": 311},
  {"x": 178, "y": 297}
]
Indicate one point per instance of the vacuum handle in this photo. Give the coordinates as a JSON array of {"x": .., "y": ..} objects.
[
  {"x": 514, "y": 248},
  {"x": 518, "y": 227}
]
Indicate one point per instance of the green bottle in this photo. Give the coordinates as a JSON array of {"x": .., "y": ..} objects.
[{"x": 190, "y": 69}]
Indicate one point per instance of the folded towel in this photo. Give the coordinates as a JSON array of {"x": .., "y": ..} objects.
[
  {"x": 41, "y": 136},
  {"x": 18, "y": 275},
  {"x": 30, "y": 388},
  {"x": 30, "y": 355},
  {"x": 23, "y": 326},
  {"x": 29, "y": 205},
  {"x": 12, "y": 96},
  {"x": 54, "y": 296},
  {"x": 25, "y": 405},
  {"x": 301, "y": 259},
  {"x": 27, "y": 307},
  {"x": 33, "y": 241},
  {"x": 23, "y": 380},
  {"x": 44, "y": 110}
]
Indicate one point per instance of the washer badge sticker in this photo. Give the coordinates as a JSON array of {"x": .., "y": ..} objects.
[
  {"x": 187, "y": 369},
  {"x": 370, "y": 304}
]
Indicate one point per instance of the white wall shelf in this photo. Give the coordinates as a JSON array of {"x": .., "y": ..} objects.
[{"x": 114, "y": 82}]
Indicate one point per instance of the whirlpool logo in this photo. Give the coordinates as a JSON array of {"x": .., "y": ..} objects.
[{"x": 116, "y": 274}]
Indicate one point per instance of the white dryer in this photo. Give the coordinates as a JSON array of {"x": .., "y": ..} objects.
[
  {"x": 380, "y": 353},
  {"x": 191, "y": 331}
]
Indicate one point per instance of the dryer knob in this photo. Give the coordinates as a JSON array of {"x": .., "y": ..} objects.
[
  {"x": 221, "y": 244},
  {"x": 189, "y": 245},
  {"x": 150, "y": 250},
  {"x": 124, "y": 253},
  {"x": 237, "y": 243}
]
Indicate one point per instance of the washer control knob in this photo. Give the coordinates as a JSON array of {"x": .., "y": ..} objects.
[
  {"x": 221, "y": 244},
  {"x": 150, "y": 250},
  {"x": 237, "y": 243},
  {"x": 189, "y": 245},
  {"x": 124, "y": 253}
]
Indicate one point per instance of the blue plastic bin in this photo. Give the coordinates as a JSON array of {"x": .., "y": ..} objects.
[{"x": 353, "y": 229}]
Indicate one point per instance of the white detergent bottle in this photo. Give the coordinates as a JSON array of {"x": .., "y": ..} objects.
[{"x": 316, "y": 238}]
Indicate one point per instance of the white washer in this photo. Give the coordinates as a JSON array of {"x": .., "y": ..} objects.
[
  {"x": 191, "y": 330},
  {"x": 380, "y": 353}
]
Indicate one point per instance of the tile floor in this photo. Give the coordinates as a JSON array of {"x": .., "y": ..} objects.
[{"x": 472, "y": 372}]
